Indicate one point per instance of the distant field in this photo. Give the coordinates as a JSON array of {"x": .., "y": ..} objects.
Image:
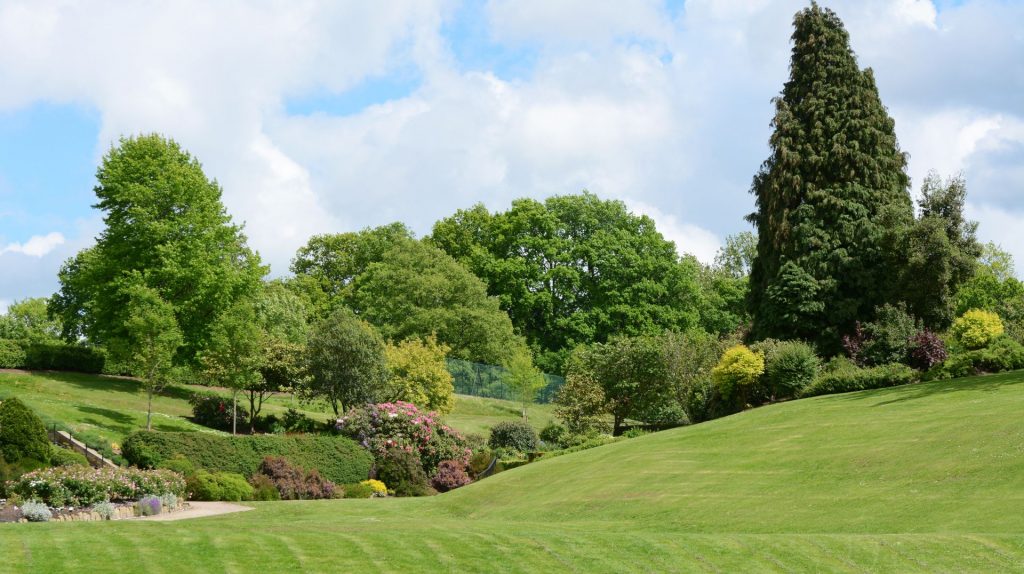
[
  {"x": 102, "y": 410},
  {"x": 923, "y": 478}
]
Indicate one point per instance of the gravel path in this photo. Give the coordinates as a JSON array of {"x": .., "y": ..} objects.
[{"x": 199, "y": 510}]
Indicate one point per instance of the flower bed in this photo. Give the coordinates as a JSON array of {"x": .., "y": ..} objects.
[{"x": 76, "y": 486}]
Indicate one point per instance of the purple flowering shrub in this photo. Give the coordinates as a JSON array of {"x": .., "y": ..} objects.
[
  {"x": 400, "y": 425},
  {"x": 450, "y": 475}
]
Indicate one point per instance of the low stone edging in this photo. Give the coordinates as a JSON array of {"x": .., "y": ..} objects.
[{"x": 121, "y": 512}]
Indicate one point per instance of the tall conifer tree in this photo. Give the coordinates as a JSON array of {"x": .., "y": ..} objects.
[{"x": 830, "y": 197}]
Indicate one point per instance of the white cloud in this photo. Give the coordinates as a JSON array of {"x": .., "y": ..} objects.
[
  {"x": 689, "y": 238},
  {"x": 36, "y": 246}
]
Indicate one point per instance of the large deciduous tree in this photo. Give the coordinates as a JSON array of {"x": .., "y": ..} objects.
[
  {"x": 164, "y": 218},
  {"x": 574, "y": 270},
  {"x": 830, "y": 196},
  {"x": 346, "y": 362}
]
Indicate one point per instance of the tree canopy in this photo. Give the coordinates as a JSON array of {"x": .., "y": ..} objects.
[
  {"x": 346, "y": 362},
  {"x": 164, "y": 219},
  {"x": 573, "y": 270},
  {"x": 830, "y": 196}
]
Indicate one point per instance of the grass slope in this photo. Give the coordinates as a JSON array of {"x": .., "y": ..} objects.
[
  {"x": 102, "y": 410},
  {"x": 923, "y": 478}
]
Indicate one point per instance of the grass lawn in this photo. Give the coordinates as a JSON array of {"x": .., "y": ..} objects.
[
  {"x": 102, "y": 410},
  {"x": 923, "y": 478}
]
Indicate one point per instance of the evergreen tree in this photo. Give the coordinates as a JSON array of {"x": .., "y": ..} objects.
[{"x": 830, "y": 198}]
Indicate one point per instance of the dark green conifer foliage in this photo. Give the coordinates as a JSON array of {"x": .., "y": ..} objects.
[
  {"x": 829, "y": 196},
  {"x": 22, "y": 434}
]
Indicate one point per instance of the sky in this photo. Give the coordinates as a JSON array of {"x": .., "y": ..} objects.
[{"x": 324, "y": 117}]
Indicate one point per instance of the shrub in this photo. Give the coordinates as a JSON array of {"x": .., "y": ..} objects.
[
  {"x": 358, "y": 490},
  {"x": 227, "y": 486},
  {"x": 338, "y": 459},
  {"x": 581, "y": 403},
  {"x": 264, "y": 488},
  {"x": 104, "y": 509},
  {"x": 737, "y": 370},
  {"x": 888, "y": 336},
  {"x": 64, "y": 457},
  {"x": 402, "y": 472},
  {"x": 976, "y": 328},
  {"x": 382, "y": 427},
  {"x": 178, "y": 464},
  {"x": 293, "y": 482},
  {"x": 64, "y": 357},
  {"x": 12, "y": 355},
  {"x": 927, "y": 350},
  {"x": 634, "y": 432},
  {"x": 479, "y": 462},
  {"x": 295, "y": 422},
  {"x": 859, "y": 379},
  {"x": 514, "y": 435},
  {"x": 791, "y": 366},
  {"x": 81, "y": 486},
  {"x": 169, "y": 500},
  {"x": 22, "y": 434},
  {"x": 552, "y": 434},
  {"x": 214, "y": 411},
  {"x": 1003, "y": 354},
  {"x": 378, "y": 487},
  {"x": 450, "y": 475},
  {"x": 148, "y": 506},
  {"x": 36, "y": 512}
]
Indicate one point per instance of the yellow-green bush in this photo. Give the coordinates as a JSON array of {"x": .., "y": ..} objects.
[
  {"x": 378, "y": 487},
  {"x": 977, "y": 328},
  {"x": 738, "y": 368}
]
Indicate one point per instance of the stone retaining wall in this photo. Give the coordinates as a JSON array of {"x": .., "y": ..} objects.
[{"x": 120, "y": 513}]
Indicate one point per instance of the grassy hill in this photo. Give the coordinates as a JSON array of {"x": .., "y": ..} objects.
[
  {"x": 102, "y": 410},
  {"x": 922, "y": 478}
]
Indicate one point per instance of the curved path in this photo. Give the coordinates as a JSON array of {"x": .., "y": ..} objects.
[{"x": 200, "y": 509}]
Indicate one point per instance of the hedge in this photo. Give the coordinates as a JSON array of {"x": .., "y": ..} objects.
[
  {"x": 338, "y": 459},
  {"x": 64, "y": 357},
  {"x": 856, "y": 379},
  {"x": 12, "y": 355}
]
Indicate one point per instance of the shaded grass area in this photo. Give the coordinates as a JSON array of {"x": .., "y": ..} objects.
[{"x": 923, "y": 478}]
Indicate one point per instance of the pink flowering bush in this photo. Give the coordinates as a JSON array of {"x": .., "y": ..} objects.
[
  {"x": 78, "y": 486},
  {"x": 400, "y": 425}
]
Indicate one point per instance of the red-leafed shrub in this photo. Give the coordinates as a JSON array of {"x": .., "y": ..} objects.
[
  {"x": 927, "y": 350},
  {"x": 451, "y": 474},
  {"x": 295, "y": 483}
]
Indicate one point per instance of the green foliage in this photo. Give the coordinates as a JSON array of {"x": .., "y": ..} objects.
[
  {"x": 22, "y": 434},
  {"x": 523, "y": 378},
  {"x": 12, "y": 354},
  {"x": 81, "y": 486},
  {"x": 789, "y": 368},
  {"x": 976, "y": 328},
  {"x": 689, "y": 359},
  {"x": 263, "y": 488},
  {"x": 888, "y": 337},
  {"x": 581, "y": 401},
  {"x": 419, "y": 374},
  {"x": 234, "y": 353},
  {"x": 403, "y": 474},
  {"x": 347, "y": 364},
  {"x": 358, "y": 490},
  {"x": 178, "y": 464},
  {"x": 849, "y": 379},
  {"x": 28, "y": 321},
  {"x": 64, "y": 357},
  {"x": 64, "y": 457},
  {"x": 941, "y": 250},
  {"x": 338, "y": 459},
  {"x": 164, "y": 219},
  {"x": 1001, "y": 354},
  {"x": 573, "y": 270},
  {"x": 228, "y": 486},
  {"x": 552, "y": 434},
  {"x": 513, "y": 435},
  {"x": 832, "y": 197},
  {"x": 737, "y": 371},
  {"x": 214, "y": 411},
  {"x": 282, "y": 314},
  {"x": 417, "y": 290}
]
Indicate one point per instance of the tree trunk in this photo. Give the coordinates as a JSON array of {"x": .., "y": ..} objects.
[
  {"x": 149, "y": 411},
  {"x": 234, "y": 412}
]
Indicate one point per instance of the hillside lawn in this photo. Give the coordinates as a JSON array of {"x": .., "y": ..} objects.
[
  {"x": 922, "y": 478},
  {"x": 103, "y": 410}
]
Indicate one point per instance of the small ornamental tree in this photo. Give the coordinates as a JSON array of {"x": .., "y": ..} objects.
[
  {"x": 233, "y": 356},
  {"x": 581, "y": 403},
  {"x": 419, "y": 374},
  {"x": 524, "y": 379},
  {"x": 737, "y": 370},
  {"x": 22, "y": 434},
  {"x": 977, "y": 328},
  {"x": 346, "y": 362},
  {"x": 150, "y": 340}
]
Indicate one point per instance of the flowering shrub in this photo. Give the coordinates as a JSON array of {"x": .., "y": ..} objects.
[
  {"x": 402, "y": 426},
  {"x": 214, "y": 411},
  {"x": 79, "y": 486},
  {"x": 450, "y": 475},
  {"x": 378, "y": 487},
  {"x": 148, "y": 506}
]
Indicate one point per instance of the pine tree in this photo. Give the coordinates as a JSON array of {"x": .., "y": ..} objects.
[{"x": 830, "y": 197}]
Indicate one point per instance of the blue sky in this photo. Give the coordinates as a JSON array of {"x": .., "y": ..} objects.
[{"x": 327, "y": 117}]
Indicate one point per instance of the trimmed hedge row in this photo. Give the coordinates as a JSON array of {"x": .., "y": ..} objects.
[
  {"x": 857, "y": 379},
  {"x": 64, "y": 357},
  {"x": 338, "y": 459}
]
